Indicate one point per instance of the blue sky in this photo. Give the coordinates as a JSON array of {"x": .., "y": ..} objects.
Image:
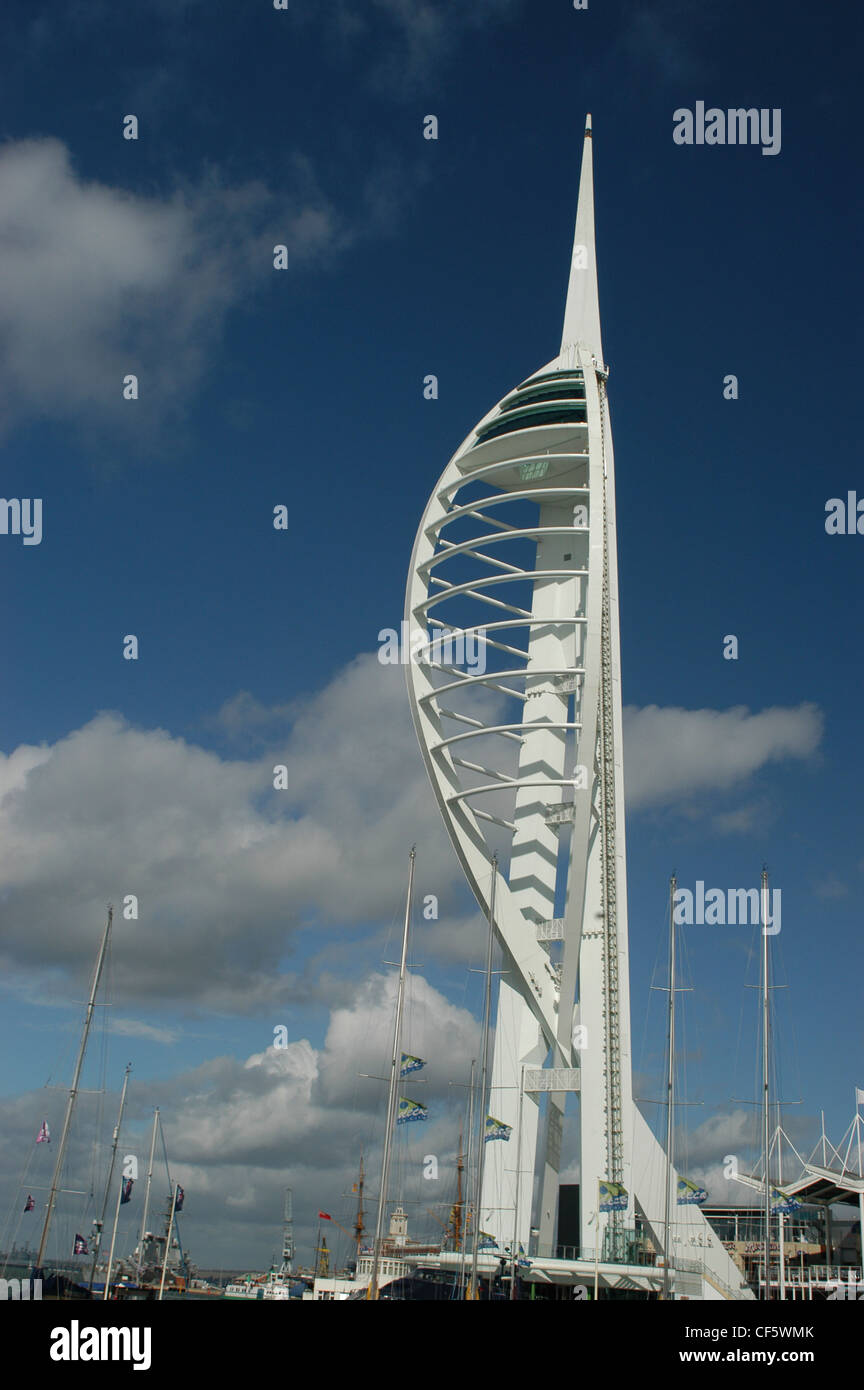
[{"x": 304, "y": 388}]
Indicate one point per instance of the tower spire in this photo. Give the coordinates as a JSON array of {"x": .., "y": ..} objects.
[{"x": 582, "y": 315}]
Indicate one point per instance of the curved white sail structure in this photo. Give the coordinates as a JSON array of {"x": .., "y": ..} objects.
[{"x": 517, "y": 706}]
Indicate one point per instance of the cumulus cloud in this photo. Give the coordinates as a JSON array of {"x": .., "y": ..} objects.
[
  {"x": 97, "y": 282},
  {"x": 238, "y": 1131},
  {"x": 736, "y": 1134},
  {"x": 250, "y": 897},
  {"x": 226, "y": 870},
  {"x": 672, "y": 754}
]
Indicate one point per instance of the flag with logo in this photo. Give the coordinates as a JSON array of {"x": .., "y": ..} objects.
[
  {"x": 411, "y": 1110},
  {"x": 782, "y": 1202},
  {"x": 29, "y": 1204},
  {"x": 690, "y": 1194},
  {"x": 44, "y": 1135},
  {"x": 522, "y": 1261},
  {"x": 613, "y": 1197},
  {"x": 487, "y": 1242},
  {"x": 496, "y": 1129},
  {"x": 80, "y": 1246},
  {"x": 410, "y": 1064},
  {"x": 126, "y": 1193}
]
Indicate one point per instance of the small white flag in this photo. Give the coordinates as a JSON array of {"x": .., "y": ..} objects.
[{"x": 859, "y": 1097}]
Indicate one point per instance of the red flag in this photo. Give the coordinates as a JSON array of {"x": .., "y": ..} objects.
[{"x": 324, "y": 1216}]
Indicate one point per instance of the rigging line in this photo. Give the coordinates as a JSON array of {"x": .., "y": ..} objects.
[
  {"x": 661, "y": 932},
  {"x": 369, "y": 1135},
  {"x": 65, "y": 1056},
  {"x": 175, "y": 1226},
  {"x": 32, "y": 1154},
  {"x": 688, "y": 984}
]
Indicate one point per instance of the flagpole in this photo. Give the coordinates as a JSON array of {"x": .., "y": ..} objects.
[
  {"x": 514, "y": 1252},
  {"x": 393, "y": 1096},
  {"x": 597, "y": 1246},
  {"x": 147, "y": 1195},
  {"x": 470, "y": 1157},
  {"x": 101, "y": 1222},
  {"x": 670, "y": 1092},
  {"x": 484, "y": 1070},
  {"x": 860, "y": 1194},
  {"x": 781, "y": 1218},
  {"x": 167, "y": 1241},
  {"x": 765, "y": 1083},
  {"x": 73, "y": 1091},
  {"x": 107, "y": 1288}
]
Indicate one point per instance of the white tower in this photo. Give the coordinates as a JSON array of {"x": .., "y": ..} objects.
[{"x": 518, "y": 711}]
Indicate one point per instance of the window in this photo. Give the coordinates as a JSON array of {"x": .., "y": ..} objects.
[{"x": 542, "y": 415}]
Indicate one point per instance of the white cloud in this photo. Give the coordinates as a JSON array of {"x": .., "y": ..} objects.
[
  {"x": 134, "y": 1028},
  {"x": 97, "y": 282},
  {"x": 226, "y": 870},
  {"x": 672, "y": 754},
  {"x": 233, "y": 878},
  {"x": 238, "y": 1131}
]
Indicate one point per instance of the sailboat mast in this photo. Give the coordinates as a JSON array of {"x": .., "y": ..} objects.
[
  {"x": 393, "y": 1096},
  {"x": 470, "y": 1154},
  {"x": 168, "y": 1240},
  {"x": 456, "y": 1212},
  {"x": 106, "y": 1293},
  {"x": 288, "y": 1233},
  {"x": 514, "y": 1251},
  {"x": 115, "y": 1142},
  {"x": 670, "y": 1091},
  {"x": 147, "y": 1194},
  {"x": 766, "y": 1081},
  {"x": 73, "y": 1092},
  {"x": 358, "y": 1220},
  {"x": 484, "y": 1069}
]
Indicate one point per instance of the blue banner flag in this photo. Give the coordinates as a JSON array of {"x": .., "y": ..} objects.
[
  {"x": 613, "y": 1197},
  {"x": 689, "y": 1194},
  {"x": 781, "y": 1202},
  {"x": 496, "y": 1129},
  {"x": 410, "y": 1110},
  {"x": 410, "y": 1064}
]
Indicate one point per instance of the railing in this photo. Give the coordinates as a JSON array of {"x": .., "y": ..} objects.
[
  {"x": 626, "y": 1248},
  {"x": 817, "y": 1274}
]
